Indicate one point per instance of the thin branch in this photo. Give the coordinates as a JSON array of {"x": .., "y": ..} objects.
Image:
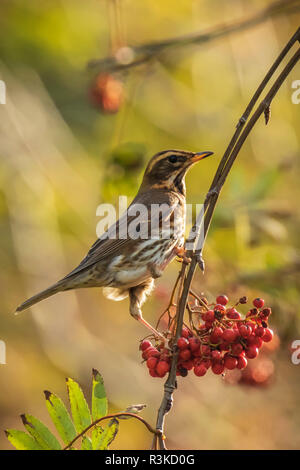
[
  {"x": 229, "y": 157},
  {"x": 115, "y": 415},
  {"x": 144, "y": 53}
]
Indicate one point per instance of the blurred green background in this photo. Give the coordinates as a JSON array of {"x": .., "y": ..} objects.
[{"x": 72, "y": 138}]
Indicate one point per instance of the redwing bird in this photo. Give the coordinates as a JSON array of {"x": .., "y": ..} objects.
[{"x": 134, "y": 251}]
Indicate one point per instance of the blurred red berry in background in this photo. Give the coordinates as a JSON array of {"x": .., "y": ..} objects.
[{"x": 107, "y": 93}]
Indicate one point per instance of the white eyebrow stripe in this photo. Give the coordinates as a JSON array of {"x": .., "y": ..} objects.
[{"x": 163, "y": 156}]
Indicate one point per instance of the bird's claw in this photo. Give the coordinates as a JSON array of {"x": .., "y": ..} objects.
[{"x": 181, "y": 253}]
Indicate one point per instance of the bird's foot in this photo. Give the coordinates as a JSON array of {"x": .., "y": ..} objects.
[{"x": 181, "y": 253}]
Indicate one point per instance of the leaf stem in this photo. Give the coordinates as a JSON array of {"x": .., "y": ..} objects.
[{"x": 111, "y": 416}]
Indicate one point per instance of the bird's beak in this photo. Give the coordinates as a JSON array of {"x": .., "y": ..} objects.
[{"x": 200, "y": 155}]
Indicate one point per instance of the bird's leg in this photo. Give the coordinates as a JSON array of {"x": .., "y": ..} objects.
[
  {"x": 181, "y": 253},
  {"x": 137, "y": 296}
]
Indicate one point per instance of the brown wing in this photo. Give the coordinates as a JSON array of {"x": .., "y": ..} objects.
[{"x": 106, "y": 245}]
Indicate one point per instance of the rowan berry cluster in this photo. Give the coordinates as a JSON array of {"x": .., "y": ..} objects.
[{"x": 221, "y": 340}]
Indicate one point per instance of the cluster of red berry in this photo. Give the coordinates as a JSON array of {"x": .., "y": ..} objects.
[{"x": 222, "y": 340}]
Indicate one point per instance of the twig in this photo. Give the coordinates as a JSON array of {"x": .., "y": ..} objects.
[
  {"x": 229, "y": 157},
  {"x": 144, "y": 53},
  {"x": 115, "y": 415}
]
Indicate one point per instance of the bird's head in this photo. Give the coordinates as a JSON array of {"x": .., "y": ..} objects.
[{"x": 167, "y": 169}]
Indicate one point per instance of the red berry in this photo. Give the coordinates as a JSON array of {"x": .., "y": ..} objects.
[
  {"x": 145, "y": 345},
  {"x": 254, "y": 340},
  {"x": 216, "y": 355},
  {"x": 242, "y": 362},
  {"x": 185, "y": 354},
  {"x": 222, "y": 299},
  {"x": 188, "y": 365},
  {"x": 233, "y": 314},
  {"x": 258, "y": 342},
  {"x": 205, "y": 350},
  {"x": 153, "y": 373},
  {"x": 224, "y": 346},
  {"x": 200, "y": 370},
  {"x": 217, "y": 368},
  {"x": 216, "y": 334},
  {"x": 219, "y": 308},
  {"x": 229, "y": 335},
  {"x": 251, "y": 352},
  {"x": 194, "y": 344},
  {"x": 237, "y": 349},
  {"x": 182, "y": 343},
  {"x": 197, "y": 353},
  {"x": 260, "y": 331},
  {"x": 245, "y": 330},
  {"x": 230, "y": 362},
  {"x": 258, "y": 303},
  {"x": 185, "y": 332},
  {"x": 162, "y": 368},
  {"x": 206, "y": 363},
  {"x": 150, "y": 352},
  {"x": 151, "y": 362},
  {"x": 268, "y": 336},
  {"x": 209, "y": 316}
]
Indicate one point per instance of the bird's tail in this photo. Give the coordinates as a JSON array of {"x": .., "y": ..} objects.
[{"x": 57, "y": 287}]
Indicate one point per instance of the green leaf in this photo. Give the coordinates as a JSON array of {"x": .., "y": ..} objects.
[
  {"x": 79, "y": 407},
  {"x": 86, "y": 443},
  {"x": 21, "y": 440},
  {"x": 99, "y": 400},
  {"x": 96, "y": 436},
  {"x": 40, "y": 432},
  {"x": 60, "y": 417},
  {"x": 108, "y": 435}
]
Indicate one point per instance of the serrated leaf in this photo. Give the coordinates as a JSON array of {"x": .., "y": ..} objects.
[
  {"x": 21, "y": 440},
  {"x": 40, "y": 433},
  {"x": 79, "y": 407},
  {"x": 96, "y": 436},
  {"x": 108, "y": 435},
  {"x": 99, "y": 400},
  {"x": 86, "y": 443},
  {"x": 60, "y": 417}
]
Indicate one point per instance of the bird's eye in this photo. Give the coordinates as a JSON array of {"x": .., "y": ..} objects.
[{"x": 172, "y": 159}]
